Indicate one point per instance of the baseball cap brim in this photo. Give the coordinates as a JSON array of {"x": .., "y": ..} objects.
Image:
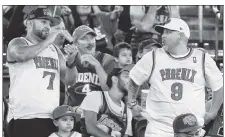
[
  {"x": 52, "y": 19},
  {"x": 88, "y": 32},
  {"x": 189, "y": 129},
  {"x": 160, "y": 28}
]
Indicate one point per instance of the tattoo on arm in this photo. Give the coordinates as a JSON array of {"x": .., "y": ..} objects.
[{"x": 132, "y": 90}]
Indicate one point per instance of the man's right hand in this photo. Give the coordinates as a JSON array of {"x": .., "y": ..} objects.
[
  {"x": 136, "y": 110},
  {"x": 53, "y": 34},
  {"x": 71, "y": 51}
]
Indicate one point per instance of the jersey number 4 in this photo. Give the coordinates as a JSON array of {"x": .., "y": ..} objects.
[
  {"x": 86, "y": 88},
  {"x": 52, "y": 77},
  {"x": 176, "y": 91}
]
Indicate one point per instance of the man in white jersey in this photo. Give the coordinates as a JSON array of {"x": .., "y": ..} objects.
[
  {"x": 178, "y": 76},
  {"x": 35, "y": 68}
]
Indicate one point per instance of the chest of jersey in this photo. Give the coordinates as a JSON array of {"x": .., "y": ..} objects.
[{"x": 178, "y": 75}]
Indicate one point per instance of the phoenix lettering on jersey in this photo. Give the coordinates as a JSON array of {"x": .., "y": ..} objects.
[
  {"x": 178, "y": 74},
  {"x": 88, "y": 78},
  {"x": 105, "y": 120},
  {"x": 46, "y": 62}
]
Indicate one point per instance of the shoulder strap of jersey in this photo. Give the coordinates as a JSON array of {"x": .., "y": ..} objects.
[
  {"x": 104, "y": 103},
  {"x": 203, "y": 64},
  {"x": 125, "y": 116},
  {"x": 153, "y": 63}
]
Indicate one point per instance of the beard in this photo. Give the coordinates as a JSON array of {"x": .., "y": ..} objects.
[
  {"x": 122, "y": 87},
  {"x": 42, "y": 34}
]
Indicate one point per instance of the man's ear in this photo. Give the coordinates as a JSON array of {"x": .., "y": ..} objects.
[
  {"x": 114, "y": 79},
  {"x": 29, "y": 23}
]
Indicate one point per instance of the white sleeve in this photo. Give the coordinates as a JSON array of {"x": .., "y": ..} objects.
[
  {"x": 142, "y": 70},
  {"x": 129, "y": 123},
  {"x": 213, "y": 75},
  {"x": 53, "y": 135},
  {"x": 92, "y": 101}
]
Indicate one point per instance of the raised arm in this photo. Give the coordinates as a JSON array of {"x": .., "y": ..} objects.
[{"x": 19, "y": 51}]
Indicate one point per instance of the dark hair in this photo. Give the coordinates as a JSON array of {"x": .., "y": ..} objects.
[
  {"x": 119, "y": 46},
  {"x": 151, "y": 42},
  {"x": 77, "y": 19}
]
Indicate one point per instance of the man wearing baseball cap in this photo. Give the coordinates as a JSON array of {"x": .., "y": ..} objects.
[
  {"x": 178, "y": 76},
  {"x": 35, "y": 68},
  {"x": 107, "y": 115},
  {"x": 186, "y": 125},
  {"x": 92, "y": 66}
]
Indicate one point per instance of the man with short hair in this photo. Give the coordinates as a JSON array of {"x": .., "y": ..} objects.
[
  {"x": 186, "y": 125},
  {"x": 104, "y": 113},
  {"x": 178, "y": 76},
  {"x": 92, "y": 66},
  {"x": 35, "y": 67}
]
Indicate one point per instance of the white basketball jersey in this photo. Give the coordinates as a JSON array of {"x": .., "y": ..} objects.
[
  {"x": 177, "y": 87},
  {"x": 34, "y": 85}
]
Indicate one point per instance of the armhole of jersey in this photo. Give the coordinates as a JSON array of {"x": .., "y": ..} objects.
[
  {"x": 203, "y": 65},
  {"x": 103, "y": 107},
  {"x": 12, "y": 62},
  {"x": 153, "y": 64}
]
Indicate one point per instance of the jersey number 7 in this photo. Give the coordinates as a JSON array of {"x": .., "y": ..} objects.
[{"x": 52, "y": 77}]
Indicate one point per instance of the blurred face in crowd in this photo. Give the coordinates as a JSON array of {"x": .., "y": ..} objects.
[
  {"x": 60, "y": 38},
  {"x": 170, "y": 39},
  {"x": 195, "y": 133},
  {"x": 106, "y": 8},
  {"x": 83, "y": 10},
  {"x": 41, "y": 28},
  {"x": 87, "y": 44},
  {"x": 125, "y": 57},
  {"x": 147, "y": 49},
  {"x": 65, "y": 123},
  {"x": 123, "y": 80}
]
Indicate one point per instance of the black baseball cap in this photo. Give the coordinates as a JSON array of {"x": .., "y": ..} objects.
[
  {"x": 42, "y": 13},
  {"x": 185, "y": 123},
  {"x": 116, "y": 72}
]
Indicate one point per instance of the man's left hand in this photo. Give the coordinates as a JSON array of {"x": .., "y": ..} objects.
[
  {"x": 209, "y": 116},
  {"x": 90, "y": 59}
]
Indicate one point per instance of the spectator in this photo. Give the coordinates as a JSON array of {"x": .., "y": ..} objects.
[
  {"x": 146, "y": 46},
  {"x": 93, "y": 66},
  {"x": 172, "y": 91},
  {"x": 123, "y": 54},
  {"x": 36, "y": 60},
  {"x": 103, "y": 23},
  {"x": 107, "y": 115},
  {"x": 186, "y": 125},
  {"x": 64, "y": 119}
]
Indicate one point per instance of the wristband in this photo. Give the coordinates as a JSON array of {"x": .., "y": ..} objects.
[{"x": 131, "y": 104}]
